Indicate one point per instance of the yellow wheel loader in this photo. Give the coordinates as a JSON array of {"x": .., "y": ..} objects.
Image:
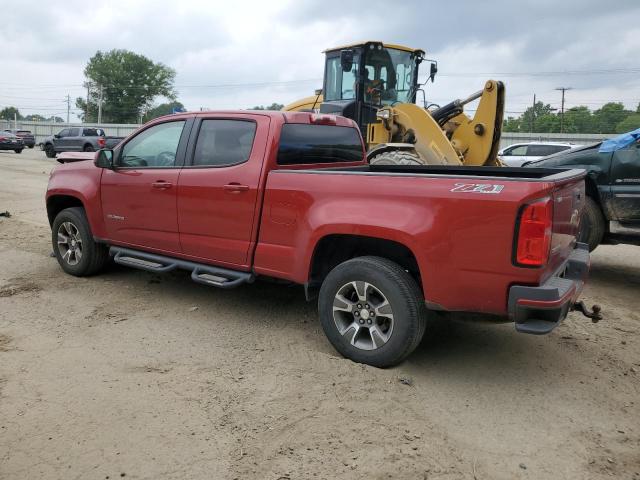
[{"x": 376, "y": 84}]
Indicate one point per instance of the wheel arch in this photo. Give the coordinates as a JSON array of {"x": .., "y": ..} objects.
[
  {"x": 57, "y": 203},
  {"x": 333, "y": 249}
]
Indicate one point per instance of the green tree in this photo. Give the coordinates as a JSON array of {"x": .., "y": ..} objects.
[
  {"x": 55, "y": 119},
  {"x": 578, "y": 120},
  {"x": 531, "y": 117},
  {"x": 609, "y": 116},
  {"x": 547, "y": 123},
  {"x": 273, "y": 106},
  {"x": 163, "y": 109},
  {"x": 632, "y": 122},
  {"x": 512, "y": 124},
  {"x": 127, "y": 83},
  {"x": 34, "y": 117},
  {"x": 9, "y": 113}
]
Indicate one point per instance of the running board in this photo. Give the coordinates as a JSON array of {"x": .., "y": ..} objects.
[{"x": 200, "y": 273}]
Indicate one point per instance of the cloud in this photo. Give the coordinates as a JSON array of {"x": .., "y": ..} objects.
[{"x": 244, "y": 53}]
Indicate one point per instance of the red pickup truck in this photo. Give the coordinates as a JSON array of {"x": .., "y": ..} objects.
[{"x": 230, "y": 196}]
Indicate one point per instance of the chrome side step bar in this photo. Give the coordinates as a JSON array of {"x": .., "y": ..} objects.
[{"x": 200, "y": 272}]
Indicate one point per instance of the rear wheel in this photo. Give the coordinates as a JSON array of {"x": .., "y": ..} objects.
[
  {"x": 49, "y": 151},
  {"x": 372, "y": 311},
  {"x": 88, "y": 148},
  {"x": 76, "y": 251},
  {"x": 18, "y": 150},
  {"x": 592, "y": 224},
  {"x": 31, "y": 146},
  {"x": 396, "y": 157}
]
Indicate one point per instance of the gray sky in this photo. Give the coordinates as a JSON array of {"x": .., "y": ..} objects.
[{"x": 275, "y": 47}]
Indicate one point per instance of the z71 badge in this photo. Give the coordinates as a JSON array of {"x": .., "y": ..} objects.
[{"x": 477, "y": 188}]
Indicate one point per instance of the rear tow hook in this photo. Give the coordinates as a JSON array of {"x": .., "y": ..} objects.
[{"x": 593, "y": 314}]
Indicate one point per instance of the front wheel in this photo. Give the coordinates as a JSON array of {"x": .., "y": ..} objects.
[
  {"x": 18, "y": 150},
  {"x": 73, "y": 244},
  {"x": 49, "y": 151},
  {"x": 372, "y": 311},
  {"x": 88, "y": 148}
]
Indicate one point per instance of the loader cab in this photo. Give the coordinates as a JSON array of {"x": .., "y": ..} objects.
[{"x": 361, "y": 78}]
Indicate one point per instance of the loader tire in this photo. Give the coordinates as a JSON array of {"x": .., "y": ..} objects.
[{"x": 396, "y": 157}]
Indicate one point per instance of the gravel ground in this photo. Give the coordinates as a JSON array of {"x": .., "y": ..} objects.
[{"x": 136, "y": 375}]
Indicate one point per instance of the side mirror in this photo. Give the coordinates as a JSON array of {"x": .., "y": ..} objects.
[
  {"x": 57, "y": 135},
  {"x": 432, "y": 71},
  {"x": 104, "y": 159},
  {"x": 506, "y": 154},
  {"x": 346, "y": 60}
]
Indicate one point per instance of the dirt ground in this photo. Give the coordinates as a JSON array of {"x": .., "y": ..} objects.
[{"x": 131, "y": 374}]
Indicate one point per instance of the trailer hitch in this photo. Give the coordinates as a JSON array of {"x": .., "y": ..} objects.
[{"x": 593, "y": 314}]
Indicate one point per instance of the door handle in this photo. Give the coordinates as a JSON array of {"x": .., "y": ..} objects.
[
  {"x": 161, "y": 184},
  {"x": 236, "y": 188}
]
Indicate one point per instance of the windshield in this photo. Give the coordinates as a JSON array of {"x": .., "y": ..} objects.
[{"x": 388, "y": 76}]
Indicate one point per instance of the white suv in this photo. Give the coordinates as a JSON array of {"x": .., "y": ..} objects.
[{"x": 518, "y": 153}]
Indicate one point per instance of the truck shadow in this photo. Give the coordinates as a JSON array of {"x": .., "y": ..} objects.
[{"x": 464, "y": 347}]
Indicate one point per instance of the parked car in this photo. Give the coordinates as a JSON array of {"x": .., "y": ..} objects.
[
  {"x": 27, "y": 137},
  {"x": 78, "y": 139},
  {"x": 9, "y": 141},
  {"x": 612, "y": 210},
  {"x": 231, "y": 196},
  {"x": 515, "y": 155}
]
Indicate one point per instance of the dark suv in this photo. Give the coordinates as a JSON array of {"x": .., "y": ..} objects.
[{"x": 28, "y": 139}]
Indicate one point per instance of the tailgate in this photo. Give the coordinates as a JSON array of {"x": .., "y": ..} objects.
[{"x": 568, "y": 202}]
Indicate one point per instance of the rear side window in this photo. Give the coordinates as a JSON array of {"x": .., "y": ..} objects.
[
  {"x": 93, "y": 132},
  {"x": 544, "y": 150},
  {"x": 224, "y": 142},
  {"x": 305, "y": 144}
]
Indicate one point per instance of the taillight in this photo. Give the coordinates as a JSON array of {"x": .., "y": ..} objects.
[
  {"x": 101, "y": 142},
  {"x": 534, "y": 233}
]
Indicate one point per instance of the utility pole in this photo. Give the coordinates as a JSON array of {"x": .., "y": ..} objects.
[
  {"x": 100, "y": 104},
  {"x": 68, "y": 107},
  {"x": 533, "y": 113},
  {"x": 86, "y": 107},
  {"x": 562, "y": 89}
]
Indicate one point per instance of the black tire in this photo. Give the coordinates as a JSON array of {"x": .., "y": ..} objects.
[
  {"x": 592, "y": 224},
  {"x": 88, "y": 148},
  {"x": 31, "y": 146},
  {"x": 49, "y": 151},
  {"x": 406, "y": 304},
  {"x": 396, "y": 157},
  {"x": 18, "y": 150},
  {"x": 94, "y": 256}
]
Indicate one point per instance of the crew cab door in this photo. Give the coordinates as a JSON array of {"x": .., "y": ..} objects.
[
  {"x": 625, "y": 183},
  {"x": 218, "y": 188},
  {"x": 61, "y": 139},
  {"x": 72, "y": 142},
  {"x": 139, "y": 194}
]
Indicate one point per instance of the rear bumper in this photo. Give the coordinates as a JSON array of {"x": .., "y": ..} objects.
[
  {"x": 11, "y": 146},
  {"x": 538, "y": 310}
]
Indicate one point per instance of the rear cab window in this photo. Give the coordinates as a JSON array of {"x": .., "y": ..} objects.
[{"x": 305, "y": 144}]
